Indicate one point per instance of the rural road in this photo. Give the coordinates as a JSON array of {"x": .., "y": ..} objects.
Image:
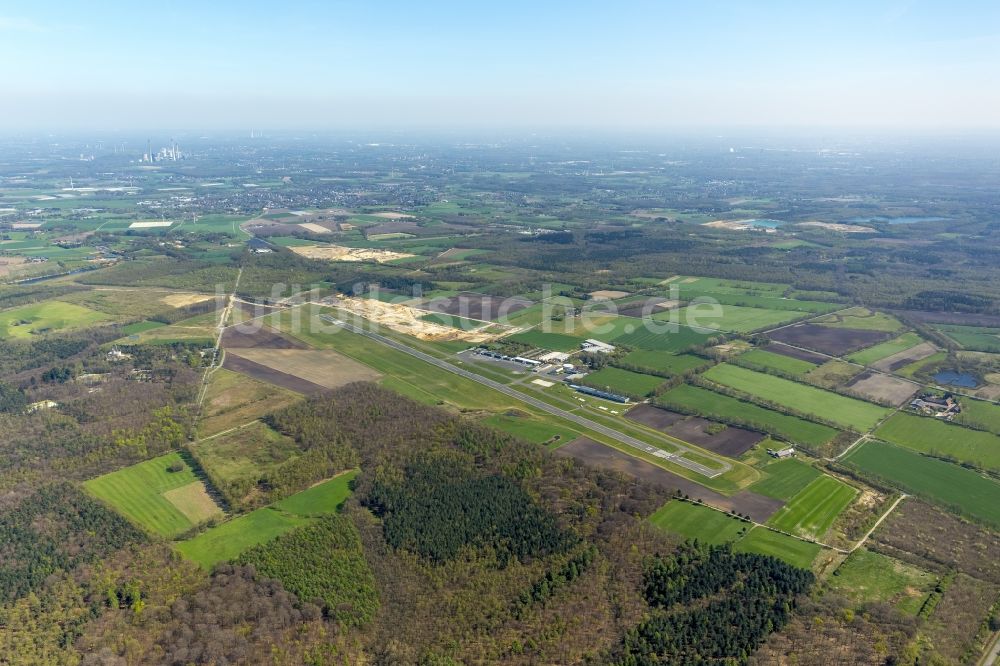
[
  {"x": 538, "y": 404},
  {"x": 878, "y": 522},
  {"x": 992, "y": 656}
]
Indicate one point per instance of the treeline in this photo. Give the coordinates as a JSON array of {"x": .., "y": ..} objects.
[
  {"x": 17, "y": 356},
  {"x": 32, "y": 293},
  {"x": 711, "y": 605},
  {"x": 174, "y": 315},
  {"x": 322, "y": 564},
  {"x": 189, "y": 274},
  {"x": 324, "y": 452}
]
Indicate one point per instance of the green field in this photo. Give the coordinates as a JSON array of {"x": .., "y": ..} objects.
[
  {"x": 226, "y": 541},
  {"x": 137, "y": 492},
  {"x": 617, "y": 380},
  {"x": 950, "y": 485},
  {"x": 45, "y": 317},
  {"x": 724, "y": 286},
  {"x": 698, "y": 522},
  {"x": 656, "y": 361},
  {"x": 981, "y": 414},
  {"x": 771, "y": 361},
  {"x": 886, "y": 349},
  {"x": 141, "y": 327},
  {"x": 848, "y": 412},
  {"x": 812, "y": 511},
  {"x": 452, "y": 320},
  {"x": 710, "y": 403},
  {"x": 688, "y": 293},
  {"x": 936, "y": 437},
  {"x": 244, "y": 454},
  {"x": 860, "y": 318},
  {"x": 736, "y": 318},
  {"x": 322, "y": 498},
  {"x": 665, "y": 341},
  {"x": 530, "y": 429},
  {"x": 973, "y": 338},
  {"x": 786, "y": 478},
  {"x": 763, "y": 541},
  {"x": 868, "y": 577}
]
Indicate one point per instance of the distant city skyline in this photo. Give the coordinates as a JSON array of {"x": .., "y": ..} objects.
[{"x": 644, "y": 66}]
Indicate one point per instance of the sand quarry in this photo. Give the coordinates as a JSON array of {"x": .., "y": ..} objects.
[
  {"x": 341, "y": 253},
  {"x": 404, "y": 319}
]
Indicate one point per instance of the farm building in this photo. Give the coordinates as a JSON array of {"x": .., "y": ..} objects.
[
  {"x": 599, "y": 394},
  {"x": 940, "y": 407},
  {"x": 596, "y": 346},
  {"x": 781, "y": 453}
]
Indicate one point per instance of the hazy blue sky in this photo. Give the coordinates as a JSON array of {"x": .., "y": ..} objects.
[{"x": 508, "y": 63}]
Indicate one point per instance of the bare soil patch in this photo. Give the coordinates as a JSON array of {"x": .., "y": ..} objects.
[
  {"x": 607, "y": 294},
  {"x": 342, "y": 253},
  {"x": 593, "y": 453},
  {"x": 792, "y": 352},
  {"x": 882, "y": 387},
  {"x": 322, "y": 367},
  {"x": 479, "y": 306},
  {"x": 194, "y": 502},
  {"x": 390, "y": 215},
  {"x": 183, "y": 300},
  {"x": 905, "y": 357},
  {"x": 654, "y": 417},
  {"x": 270, "y": 375},
  {"x": 263, "y": 337},
  {"x": 732, "y": 441},
  {"x": 827, "y": 339},
  {"x": 405, "y": 319},
  {"x": 9, "y": 265},
  {"x": 648, "y": 306},
  {"x": 315, "y": 228}
]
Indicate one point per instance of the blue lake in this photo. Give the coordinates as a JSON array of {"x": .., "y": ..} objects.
[
  {"x": 952, "y": 378},
  {"x": 898, "y": 220}
]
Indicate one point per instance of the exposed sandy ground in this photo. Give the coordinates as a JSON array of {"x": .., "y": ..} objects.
[
  {"x": 315, "y": 228},
  {"x": 341, "y": 253},
  {"x": 833, "y": 226},
  {"x": 150, "y": 224},
  {"x": 389, "y": 215},
  {"x": 194, "y": 502},
  {"x": 9, "y": 265},
  {"x": 183, "y": 300},
  {"x": 404, "y": 319},
  {"x": 607, "y": 294},
  {"x": 883, "y": 387},
  {"x": 905, "y": 357},
  {"x": 320, "y": 366}
]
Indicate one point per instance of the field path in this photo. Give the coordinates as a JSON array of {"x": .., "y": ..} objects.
[
  {"x": 628, "y": 440},
  {"x": 878, "y": 522},
  {"x": 219, "y": 330}
]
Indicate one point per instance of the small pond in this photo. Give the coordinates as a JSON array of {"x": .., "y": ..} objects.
[{"x": 953, "y": 378}]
